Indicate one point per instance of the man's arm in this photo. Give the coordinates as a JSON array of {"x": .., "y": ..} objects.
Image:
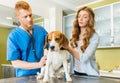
[{"x": 29, "y": 65}]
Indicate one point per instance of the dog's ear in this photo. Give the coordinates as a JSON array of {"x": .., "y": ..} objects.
[
  {"x": 46, "y": 42},
  {"x": 64, "y": 42}
]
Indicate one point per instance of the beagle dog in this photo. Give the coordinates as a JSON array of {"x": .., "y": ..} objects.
[{"x": 57, "y": 57}]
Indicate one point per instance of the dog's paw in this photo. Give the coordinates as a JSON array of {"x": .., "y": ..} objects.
[
  {"x": 46, "y": 79},
  {"x": 59, "y": 76},
  {"x": 68, "y": 79},
  {"x": 52, "y": 75},
  {"x": 39, "y": 76}
]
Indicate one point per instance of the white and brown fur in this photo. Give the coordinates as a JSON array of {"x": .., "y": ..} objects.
[{"x": 57, "y": 57}]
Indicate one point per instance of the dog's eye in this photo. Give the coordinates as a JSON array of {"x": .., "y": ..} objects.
[
  {"x": 56, "y": 39},
  {"x": 49, "y": 40}
]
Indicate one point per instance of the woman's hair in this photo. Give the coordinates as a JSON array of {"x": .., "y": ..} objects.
[
  {"x": 22, "y": 5},
  {"x": 89, "y": 30}
]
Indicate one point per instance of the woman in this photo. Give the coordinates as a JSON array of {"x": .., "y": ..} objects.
[{"x": 83, "y": 43}]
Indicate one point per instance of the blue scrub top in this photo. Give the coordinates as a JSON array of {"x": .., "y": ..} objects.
[{"x": 19, "y": 47}]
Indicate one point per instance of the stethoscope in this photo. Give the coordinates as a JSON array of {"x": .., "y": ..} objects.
[{"x": 33, "y": 47}]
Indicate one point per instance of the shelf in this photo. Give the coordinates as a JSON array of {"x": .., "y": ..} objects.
[
  {"x": 100, "y": 47},
  {"x": 109, "y": 74}
]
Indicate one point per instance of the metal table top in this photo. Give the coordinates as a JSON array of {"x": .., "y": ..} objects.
[{"x": 76, "y": 79}]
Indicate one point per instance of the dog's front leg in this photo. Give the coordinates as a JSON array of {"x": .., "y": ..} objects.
[
  {"x": 46, "y": 75},
  {"x": 40, "y": 75},
  {"x": 65, "y": 65},
  {"x": 51, "y": 71}
]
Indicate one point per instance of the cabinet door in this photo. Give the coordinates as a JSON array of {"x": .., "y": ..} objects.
[
  {"x": 68, "y": 25},
  {"x": 116, "y": 23},
  {"x": 103, "y": 25}
]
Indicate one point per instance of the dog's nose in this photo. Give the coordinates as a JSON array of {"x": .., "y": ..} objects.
[{"x": 52, "y": 47}]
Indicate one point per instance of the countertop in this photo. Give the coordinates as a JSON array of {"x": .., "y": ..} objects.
[
  {"x": 76, "y": 79},
  {"x": 112, "y": 74}
]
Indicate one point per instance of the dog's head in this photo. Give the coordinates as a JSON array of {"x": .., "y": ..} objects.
[{"x": 56, "y": 41}]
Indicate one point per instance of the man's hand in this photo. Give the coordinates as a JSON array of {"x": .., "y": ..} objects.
[{"x": 42, "y": 62}]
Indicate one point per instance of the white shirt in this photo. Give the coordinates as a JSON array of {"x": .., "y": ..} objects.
[{"x": 78, "y": 65}]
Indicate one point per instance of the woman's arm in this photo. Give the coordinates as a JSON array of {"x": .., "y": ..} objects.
[
  {"x": 74, "y": 53},
  {"x": 89, "y": 52}
]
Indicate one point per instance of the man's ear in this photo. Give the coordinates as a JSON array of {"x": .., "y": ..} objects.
[{"x": 17, "y": 17}]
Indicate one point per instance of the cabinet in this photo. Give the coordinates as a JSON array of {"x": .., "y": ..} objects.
[
  {"x": 116, "y": 24},
  {"x": 8, "y": 71},
  {"x": 103, "y": 25},
  {"x": 68, "y": 25},
  {"x": 107, "y": 25}
]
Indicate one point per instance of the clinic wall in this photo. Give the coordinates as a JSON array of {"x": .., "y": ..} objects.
[
  {"x": 107, "y": 58},
  {"x": 39, "y": 20},
  {"x": 4, "y": 31}
]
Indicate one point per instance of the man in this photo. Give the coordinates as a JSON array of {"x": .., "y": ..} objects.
[{"x": 25, "y": 43}]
